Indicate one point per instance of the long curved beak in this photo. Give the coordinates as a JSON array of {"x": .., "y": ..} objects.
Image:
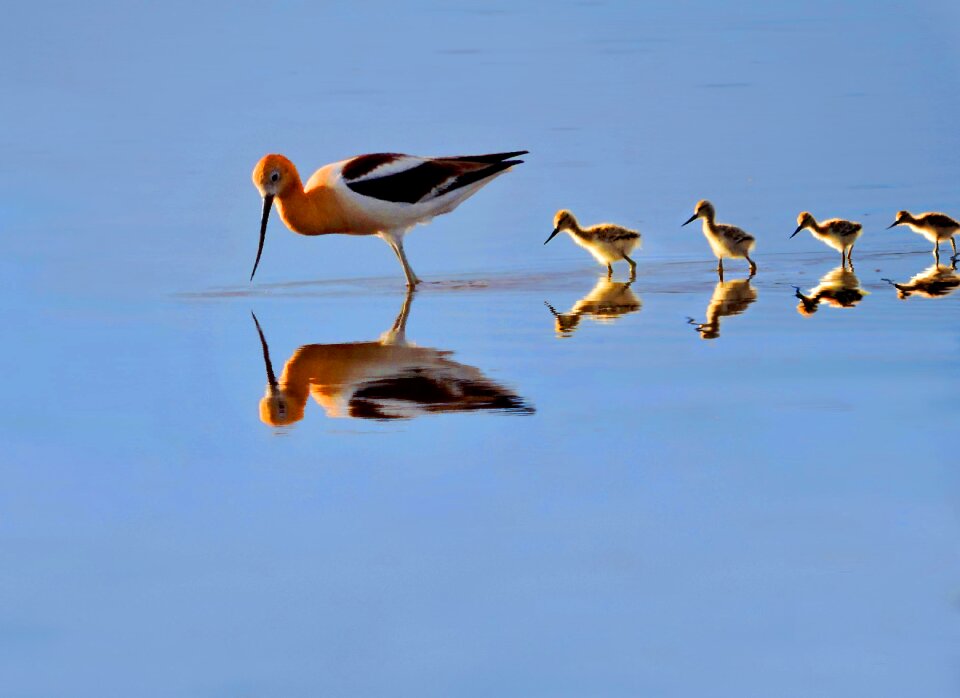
[
  {"x": 799, "y": 228},
  {"x": 893, "y": 224},
  {"x": 691, "y": 219},
  {"x": 552, "y": 235},
  {"x": 267, "y": 203}
]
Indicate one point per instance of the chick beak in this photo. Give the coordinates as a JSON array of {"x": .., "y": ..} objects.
[
  {"x": 799, "y": 228},
  {"x": 552, "y": 235},
  {"x": 267, "y": 203},
  {"x": 691, "y": 219},
  {"x": 893, "y": 224}
]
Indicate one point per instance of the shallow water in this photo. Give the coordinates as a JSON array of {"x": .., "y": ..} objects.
[{"x": 525, "y": 479}]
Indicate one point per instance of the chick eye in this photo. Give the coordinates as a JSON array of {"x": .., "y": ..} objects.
[{"x": 274, "y": 176}]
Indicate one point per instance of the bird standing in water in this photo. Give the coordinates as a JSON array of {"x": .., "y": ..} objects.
[
  {"x": 383, "y": 194},
  {"x": 836, "y": 232},
  {"x": 607, "y": 243},
  {"x": 725, "y": 240},
  {"x": 935, "y": 227}
]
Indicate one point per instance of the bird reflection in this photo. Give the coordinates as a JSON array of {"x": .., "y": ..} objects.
[
  {"x": 839, "y": 287},
  {"x": 935, "y": 281},
  {"x": 605, "y": 302},
  {"x": 729, "y": 298},
  {"x": 383, "y": 380}
]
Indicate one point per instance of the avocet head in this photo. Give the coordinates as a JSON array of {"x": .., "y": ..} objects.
[
  {"x": 272, "y": 176},
  {"x": 703, "y": 209},
  {"x": 563, "y": 220},
  {"x": 902, "y": 217},
  {"x": 277, "y": 410},
  {"x": 803, "y": 220}
]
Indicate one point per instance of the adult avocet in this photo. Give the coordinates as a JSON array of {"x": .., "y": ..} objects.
[
  {"x": 390, "y": 378},
  {"x": 383, "y": 194}
]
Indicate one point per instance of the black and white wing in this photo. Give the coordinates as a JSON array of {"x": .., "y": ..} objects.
[{"x": 408, "y": 179}]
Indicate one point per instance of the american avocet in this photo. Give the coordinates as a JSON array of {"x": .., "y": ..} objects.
[
  {"x": 839, "y": 287},
  {"x": 383, "y": 194},
  {"x": 725, "y": 240},
  {"x": 933, "y": 282},
  {"x": 386, "y": 379},
  {"x": 607, "y": 243},
  {"x": 836, "y": 232},
  {"x": 606, "y": 301},
  {"x": 935, "y": 227},
  {"x": 729, "y": 298}
]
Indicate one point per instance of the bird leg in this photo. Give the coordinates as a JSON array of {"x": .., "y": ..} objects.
[
  {"x": 396, "y": 244},
  {"x": 609, "y": 271},
  {"x": 633, "y": 268},
  {"x": 720, "y": 268},
  {"x": 397, "y": 334},
  {"x": 753, "y": 265},
  {"x": 953, "y": 242}
]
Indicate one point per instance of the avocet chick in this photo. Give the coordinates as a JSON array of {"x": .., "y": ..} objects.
[
  {"x": 607, "y": 243},
  {"x": 729, "y": 298},
  {"x": 935, "y": 227},
  {"x": 839, "y": 288},
  {"x": 836, "y": 233},
  {"x": 934, "y": 282},
  {"x": 606, "y": 301},
  {"x": 725, "y": 240}
]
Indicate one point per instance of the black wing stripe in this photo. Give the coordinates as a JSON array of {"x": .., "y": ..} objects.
[
  {"x": 491, "y": 158},
  {"x": 435, "y": 177},
  {"x": 471, "y": 177},
  {"x": 407, "y": 187},
  {"x": 365, "y": 164}
]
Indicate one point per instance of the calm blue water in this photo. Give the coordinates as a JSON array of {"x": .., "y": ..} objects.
[{"x": 770, "y": 511}]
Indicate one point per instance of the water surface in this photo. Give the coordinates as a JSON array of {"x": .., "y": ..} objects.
[{"x": 551, "y": 484}]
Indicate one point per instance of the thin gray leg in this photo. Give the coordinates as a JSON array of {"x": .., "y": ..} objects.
[{"x": 397, "y": 246}]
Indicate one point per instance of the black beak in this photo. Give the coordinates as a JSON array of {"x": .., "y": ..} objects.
[
  {"x": 271, "y": 377},
  {"x": 552, "y": 235},
  {"x": 893, "y": 224},
  {"x": 691, "y": 219},
  {"x": 267, "y": 203},
  {"x": 799, "y": 228}
]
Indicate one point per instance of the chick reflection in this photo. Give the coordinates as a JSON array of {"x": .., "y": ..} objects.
[
  {"x": 605, "y": 302},
  {"x": 729, "y": 298},
  {"x": 935, "y": 281},
  {"x": 386, "y": 379},
  {"x": 839, "y": 287}
]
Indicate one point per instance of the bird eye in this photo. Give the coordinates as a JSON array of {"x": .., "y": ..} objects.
[{"x": 274, "y": 176}]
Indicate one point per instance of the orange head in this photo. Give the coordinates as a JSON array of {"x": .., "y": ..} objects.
[
  {"x": 273, "y": 176},
  {"x": 279, "y": 411}
]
